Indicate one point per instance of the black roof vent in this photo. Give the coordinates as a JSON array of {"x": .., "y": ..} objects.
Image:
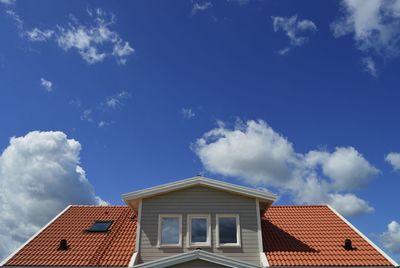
[
  {"x": 63, "y": 244},
  {"x": 348, "y": 245}
]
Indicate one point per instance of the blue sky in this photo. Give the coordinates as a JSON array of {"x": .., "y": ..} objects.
[{"x": 310, "y": 87}]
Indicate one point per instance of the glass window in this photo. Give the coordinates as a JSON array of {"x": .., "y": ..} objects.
[
  {"x": 100, "y": 226},
  {"x": 170, "y": 230},
  {"x": 199, "y": 230},
  {"x": 228, "y": 230}
]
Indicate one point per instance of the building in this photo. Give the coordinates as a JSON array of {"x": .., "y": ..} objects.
[{"x": 199, "y": 222}]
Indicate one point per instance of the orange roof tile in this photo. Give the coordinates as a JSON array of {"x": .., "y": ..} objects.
[
  {"x": 314, "y": 236},
  {"x": 113, "y": 248}
]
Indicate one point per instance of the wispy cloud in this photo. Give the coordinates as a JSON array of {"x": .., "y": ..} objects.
[
  {"x": 94, "y": 41},
  {"x": 46, "y": 84},
  {"x": 117, "y": 100},
  {"x": 7, "y": 2},
  {"x": 87, "y": 115},
  {"x": 199, "y": 7},
  {"x": 369, "y": 66},
  {"x": 187, "y": 113},
  {"x": 294, "y": 29}
]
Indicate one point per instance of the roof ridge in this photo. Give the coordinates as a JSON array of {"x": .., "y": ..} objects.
[
  {"x": 102, "y": 206},
  {"x": 290, "y": 206}
]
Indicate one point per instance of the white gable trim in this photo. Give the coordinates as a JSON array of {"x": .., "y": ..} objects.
[
  {"x": 202, "y": 181},
  {"x": 365, "y": 238},
  {"x": 263, "y": 257},
  {"x": 197, "y": 255},
  {"x": 33, "y": 237}
]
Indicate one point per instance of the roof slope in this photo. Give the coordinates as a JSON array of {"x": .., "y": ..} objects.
[
  {"x": 113, "y": 248},
  {"x": 314, "y": 236}
]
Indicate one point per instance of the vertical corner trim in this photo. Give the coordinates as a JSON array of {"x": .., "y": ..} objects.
[{"x": 263, "y": 257}]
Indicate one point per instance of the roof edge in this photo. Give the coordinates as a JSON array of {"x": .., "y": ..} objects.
[
  {"x": 33, "y": 237},
  {"x": 393, "y": 262},
  {"x": 197, "y": 255},
  {"x": 199, "y": 180}
]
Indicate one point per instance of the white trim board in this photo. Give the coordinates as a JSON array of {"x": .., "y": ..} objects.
[
  {"x": 34, "y": 236},
  {"x": 197, "y": 255},
  {"x": 364, "y": 237},
  {"x": 130, "y": 198}
]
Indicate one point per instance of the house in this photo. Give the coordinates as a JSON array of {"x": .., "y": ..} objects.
[{"x": 199, "y": 222}]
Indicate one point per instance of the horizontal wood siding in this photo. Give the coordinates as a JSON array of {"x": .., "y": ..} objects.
[{"x": 200, "y": 200}]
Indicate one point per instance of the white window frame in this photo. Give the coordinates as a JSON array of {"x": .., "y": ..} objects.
[
  {"x": 189, "y": 230},
  {"x": 238, "y": 238},
  {"x": 178, "y": 245}
]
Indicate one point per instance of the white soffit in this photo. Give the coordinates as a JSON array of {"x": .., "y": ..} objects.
[{"x": 132, "y": 198}]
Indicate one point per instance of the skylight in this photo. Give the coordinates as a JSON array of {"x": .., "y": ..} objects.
[{"x": 100, "y": 226}]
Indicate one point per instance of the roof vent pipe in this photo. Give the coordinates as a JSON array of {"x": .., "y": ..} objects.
[
  {"x": 63, "y": 244},
  {"x": 348, "y": 244}
]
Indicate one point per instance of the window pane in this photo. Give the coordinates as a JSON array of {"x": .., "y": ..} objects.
[
  {"x": 227, "y": 230},
  {"x": 170, "y": 231},
  {"x": 199, "y": 230}
]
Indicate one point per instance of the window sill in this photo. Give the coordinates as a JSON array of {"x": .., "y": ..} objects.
[
  {"x": 199, "y": 246},
  {"x": 229, "y": 246},
  {"x": 169, "y": 246}
]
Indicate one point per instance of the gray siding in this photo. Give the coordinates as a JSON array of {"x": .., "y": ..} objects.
[
  {"x": 198, "y": 264},
  {"x": 205, "y": 200}
]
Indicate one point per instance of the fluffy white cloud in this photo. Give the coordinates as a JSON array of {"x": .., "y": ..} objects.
[
  {"x": 393, "y": 159},
  {"x": 46, "y": 84},
  {"x": 117, "y": 100},
  {"x": 391, "y": 238},
  {"x": 346, "y": 167},
  {"x": 187, "y": 113},
  {"x": 94, "y": 41},
  {"x": 294, "y": 29},
  {"x": 369, "y": 66},
  {"x": 40, "y": 175},
  {"x": 374, "y": 25},
  {"x": 199, "y": 7},
  {"x": 254, "y": 152}
]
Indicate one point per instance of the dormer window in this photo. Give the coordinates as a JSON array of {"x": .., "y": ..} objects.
[
  {"x": 170, "y": 230},
  {"x": 228, "y": 230},
  {"x": 199, "y": 230}
]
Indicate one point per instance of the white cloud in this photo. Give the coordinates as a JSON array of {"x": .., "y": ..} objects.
[
  {"x": 103, "y": 124},
  {"x": 187, "y": 113},
  {"x": 7, "y": 2},
  {"x": 40, "y": 174},
  {"x": 16, "y": 18},
  {"x": 294, "y": 29},
  {"x": 87, "y": 115},
  {"x": 349, "y": 204},
  {"x": 46, "y": 84},
  {"x": 199, "y": 7},
  {"x": 117, "y": 100},
  {"x": 393, "y": 159},
  {"x": 374, "y": 24},
  {"x": 391, "y": 238},
  {"x": 254, "y": 152},
  {"x": 38, "y": 35},
  {"x": 369, "y": 66},
  {"x": 94, "y": 41}
]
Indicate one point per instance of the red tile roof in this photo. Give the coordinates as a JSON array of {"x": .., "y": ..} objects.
[
  {"x": 292, "y": 236},
  {"x": 314, "y": 236},
  {"x": 113, "y": 248}
]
